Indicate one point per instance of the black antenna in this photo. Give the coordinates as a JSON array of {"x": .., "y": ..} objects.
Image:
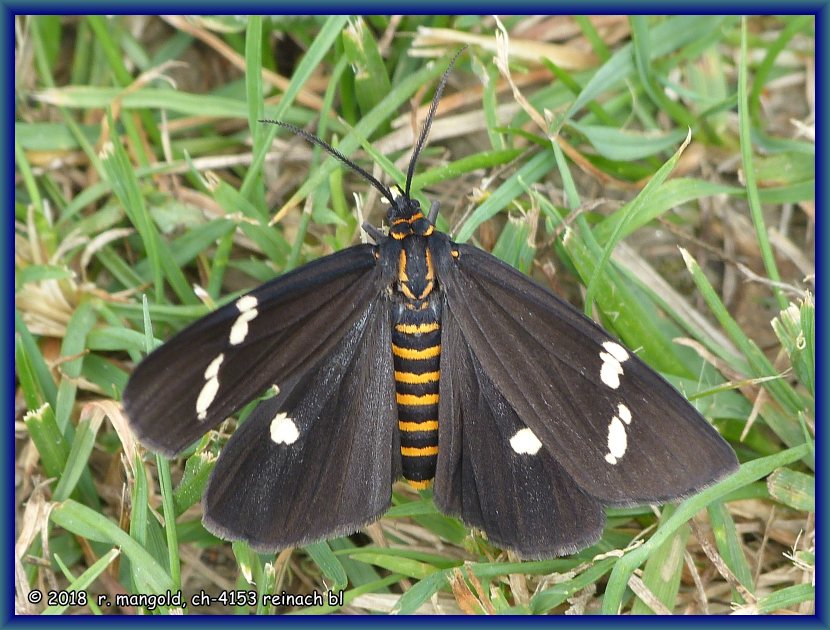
[
  {"x": 330, "y": 149},
  {"x": 428, "y": 122}
]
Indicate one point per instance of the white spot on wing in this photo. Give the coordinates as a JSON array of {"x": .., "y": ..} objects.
[
  {"x": 610, "y": 371},
  {"x": 616, "y": 351},
  {"x": 209, "y": 389},
  {"x": 617, "y": 441},
  {"x": 246, "y": 303},
  {"x": 239, "y": 330},
  {"x": 624, "y": 413},
  {"x": 212, "y": 370},
  {"x": 525, "y": 442},
  {"x": 612, "y": 360},
  {"x": 283, "y": 429},
  {"x": 206, "y": 397},
  {"x": 617, "y": 436}
]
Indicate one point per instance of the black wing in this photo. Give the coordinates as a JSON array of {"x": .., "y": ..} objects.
[
  {"x": 319, "y": 459},
  {"x": 619, "y": 430},
  {"x": 222, "y": 361},
  {"x": 525, "y": 500}
]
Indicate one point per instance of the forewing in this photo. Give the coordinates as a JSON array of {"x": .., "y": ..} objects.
[
  {"x": 494, "y": 473},
  {"x": 274, "y": 333},
  {"x": 623, "y": 433},
  {"x": 318, "y": 460}
]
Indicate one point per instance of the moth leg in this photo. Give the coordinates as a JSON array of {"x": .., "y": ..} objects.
[{"x": 376, "y": 234}]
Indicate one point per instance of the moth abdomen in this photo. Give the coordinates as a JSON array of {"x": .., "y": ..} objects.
[{"x": 416, "y": 352}]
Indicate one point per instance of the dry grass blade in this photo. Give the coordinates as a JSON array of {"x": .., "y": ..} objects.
[
  {"x": 432, "y": 42},
  {"x": 718, "y": 562},
  {"x": 647, "y": 597},
  {"x": 304, "y": 97}
]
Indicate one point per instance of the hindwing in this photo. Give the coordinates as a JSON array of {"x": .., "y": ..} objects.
[
  {"x": 492, "y": 470},
  {"x": 317, "y": 460}
]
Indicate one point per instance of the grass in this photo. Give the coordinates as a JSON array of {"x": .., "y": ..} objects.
[{"x": 147, "y": 193}]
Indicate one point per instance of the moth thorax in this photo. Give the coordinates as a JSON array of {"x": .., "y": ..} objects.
[{"x": 416, "y": 273}]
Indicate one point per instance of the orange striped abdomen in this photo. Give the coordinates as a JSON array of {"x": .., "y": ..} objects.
[{"x": 416, "y": 349}]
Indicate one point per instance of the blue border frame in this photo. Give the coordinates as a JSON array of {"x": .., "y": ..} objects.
[
  {"x": 822, "y": 24},
  {"x": 369, "y": 7},
  {"x": 7, "y": 490},
  {"x": 8, "y": 11}
]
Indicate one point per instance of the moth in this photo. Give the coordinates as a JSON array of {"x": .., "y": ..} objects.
[{"x": 418, "y": 357}]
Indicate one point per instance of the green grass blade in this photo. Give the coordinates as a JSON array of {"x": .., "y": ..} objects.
[
  {"x": 744, "y": 126},
  {"x": 92, "y": 525},
  {"x": 748, "y": 473},
  {"x": 85, "y": 580}
]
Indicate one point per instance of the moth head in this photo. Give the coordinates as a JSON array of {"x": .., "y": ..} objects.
[
  {"x": 403, "y": 207},
  {"x": 405, "y": 218}
]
